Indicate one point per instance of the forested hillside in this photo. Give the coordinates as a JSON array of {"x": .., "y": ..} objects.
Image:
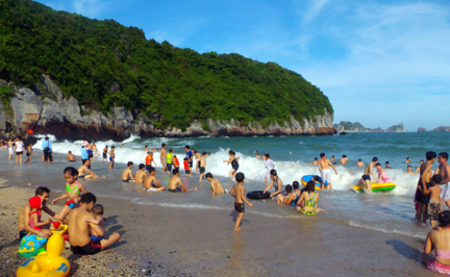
[{"x": 105, "y": 64}]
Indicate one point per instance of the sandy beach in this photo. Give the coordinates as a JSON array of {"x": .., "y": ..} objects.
[{"x": 169, "y": 241}]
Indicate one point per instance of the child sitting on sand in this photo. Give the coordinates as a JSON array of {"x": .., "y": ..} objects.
[
  {"x": 97, "y": 211},
  {"x": 238, "y": 193},
  {"x": 73, "y": 189},
  {"x": 35, "y": 215}
]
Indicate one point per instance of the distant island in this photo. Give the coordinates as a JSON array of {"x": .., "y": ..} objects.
[
  {"x": 440, "y": 129},
  {"x": 349, "y": 127}
]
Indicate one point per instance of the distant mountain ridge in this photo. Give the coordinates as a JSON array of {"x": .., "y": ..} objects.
[
  {"x": 349, "y": 127},
  {"x": 440, "y": 129}
]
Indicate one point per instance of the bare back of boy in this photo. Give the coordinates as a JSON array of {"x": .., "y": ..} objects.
[
  {"x": 140, "y": 176},
  {"x": 216, "y": 187},
  {"x": 151, "y": 182},
  {"x": 175, "y": 182}
]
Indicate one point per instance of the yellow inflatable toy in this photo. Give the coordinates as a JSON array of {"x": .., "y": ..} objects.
[{"x": 50, "y": 265}]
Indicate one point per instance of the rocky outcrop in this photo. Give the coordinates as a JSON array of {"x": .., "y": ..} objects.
[
  {"x": 349, "y": 127},
  {"x": 44, "y": 110},
  {"x": 440, "y": 129}
]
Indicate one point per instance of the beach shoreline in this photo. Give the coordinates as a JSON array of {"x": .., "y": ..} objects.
[{"x": 174, "y": 241}]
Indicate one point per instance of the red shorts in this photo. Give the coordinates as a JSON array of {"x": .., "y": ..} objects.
[{"x": 72, "y": 204}]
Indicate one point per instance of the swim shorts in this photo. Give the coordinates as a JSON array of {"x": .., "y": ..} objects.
[
  {"x": 127, "y": 180},
  {"x": 90, "y": 155},
  {"x": 190, "y": 164},
  {"x": 72, "y": 204},
  {"x": 19, "y": 153},
  {"x": 148, "y": 167},
  {"x": 169, "y": 168},
  {"x": 89, "y": 249},
  {"x": 202, "y": 170},
  {"x": 22, "y": 234},
  {"x": 366, "y": 177},
  {"x": 433, "y": 210},
  {"x": 81, "y": 176},
  {"x": 11, "y": 151},
  {"x": 111, "y": 159},
  {"x": 326, "y": 175},
  {"x": 445, "y": 192},
  {"x": 105, "y": 156},
  {"x": 150, "y": 189},
  {"x": 239, "y": 207},
  {"x": 187, "y": 172},
  {"x": 176, "y": 190},
  {"x": 48, "y": 156},
  {"x": 198, "y": 164},
  {"x": 96, "y": 239},
  {"x": 28, "y": 154},
  {"x": 438, "y": 267}
]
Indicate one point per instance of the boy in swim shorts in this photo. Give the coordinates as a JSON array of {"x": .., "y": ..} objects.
[
  {"x": 238, "y": 193},
  {"x": 434, "y": 207},
  {"x": 175, "y": 184},
  {"x": 186, "y": 167},
  {"x": 202, "y": 167},
  {"x": 112, "y": 157}
]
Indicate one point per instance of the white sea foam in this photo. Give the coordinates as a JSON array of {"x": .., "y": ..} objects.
[
  {"x": 417, "y": 234},
  {"x": 254, "y": 169}
]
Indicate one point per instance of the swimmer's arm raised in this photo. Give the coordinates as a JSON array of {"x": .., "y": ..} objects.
[{"x": 66, "y": 195}]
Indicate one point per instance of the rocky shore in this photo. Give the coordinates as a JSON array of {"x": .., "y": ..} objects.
[{"x": 43, "y": 109}]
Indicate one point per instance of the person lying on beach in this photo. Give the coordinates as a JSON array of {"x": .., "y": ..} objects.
[
  {"x": 186, "y": 167},
  {"x": 234, "y": 163},
  {"x": 238, "y": 192},
  {"x": 382, "y": 175},
  {"x": 434, "y": 205},
  {"x": 23, "y": 221},
  {"x": 439, "y": 240},
  {"x": 70, "y": 157},
  {"x": 85, "y": 172},
  {"x": 343, "y": 160},
  {"x": 315, "y": 162},
  {"x": 127, "y": 175},
  {"x": 150, "y": 182},
  {"x": 290, "y": 198},
  {"x": 387, "y": 165},
  {"x": 276, "y": 183},
  {"x": 368, "y": 172},
  {"x": 97, "y": 211},
  {"x": 425, "y": 178},
  {"x": 359, "y": 163},
  {"x": 409, "y": 170},
  {"x": 73, "y": 190},
  {"x": 216, "y": 186},
  {"x": 80, "y": 230},
  {"x": 308, "y": 202},
  {"x": 175, "y": 184},
  {"x": 202, "y": 162},
  {"x": 140, "y": 174}
]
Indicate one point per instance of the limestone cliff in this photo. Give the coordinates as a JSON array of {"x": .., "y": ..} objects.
[
  {"x": 349, "y": 127},
  {"x": 439, "y": 129},
  {"x": 45, "y": 110}
]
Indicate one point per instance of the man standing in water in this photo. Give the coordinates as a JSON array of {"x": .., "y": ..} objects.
[
  {"x": 368, "y": 172},
  {"x": 324, "y": 169},
  {"x": 269, "y": 166},
  {"x": 425, "y": 177},
  {"x": 162, "y": 156},
  {"x": 444, "y": 171}
]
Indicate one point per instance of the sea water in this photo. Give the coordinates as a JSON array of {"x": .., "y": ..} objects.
[{"x": 391, "y": 212}]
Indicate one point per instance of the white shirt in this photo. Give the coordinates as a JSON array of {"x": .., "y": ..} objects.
[
  {"x": 19, "y": 146},
  {"x": 269, "y": 164}
]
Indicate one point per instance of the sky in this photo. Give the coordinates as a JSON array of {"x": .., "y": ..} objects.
[{"x": 380, "y": 63}]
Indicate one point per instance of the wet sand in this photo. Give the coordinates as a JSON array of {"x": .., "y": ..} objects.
[{"x": 171, "y": 241}]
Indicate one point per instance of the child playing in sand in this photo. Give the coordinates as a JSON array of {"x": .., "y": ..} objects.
[
  {"x": 238, "y": 193},
  {"x": 112, "y": 157},
  {"x": 216, "y": 186},
  {"x": 234, "y": 163},
  {"x": 434, "y": 207},
  {"x": 73, "y": 189},
  {"x": 35, "y": 215},
  {"x": 186, "y": 167},
  {"x": 97, "y": 211}
]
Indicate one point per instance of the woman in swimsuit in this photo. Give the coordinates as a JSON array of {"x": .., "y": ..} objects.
[
  {"x": 234, "y": 163},
  {"x": 439, "y": 240},
  {"x": 382, "y": 175},
  {"x": 73, "y": 189},
  {"x": 276, "y": 183},
  {"x": 29, "y": 152},
  {"x": 310, "y": 199}
]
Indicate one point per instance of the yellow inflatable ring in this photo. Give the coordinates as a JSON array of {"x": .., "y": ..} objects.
[{"x": 50, "y": 265}]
